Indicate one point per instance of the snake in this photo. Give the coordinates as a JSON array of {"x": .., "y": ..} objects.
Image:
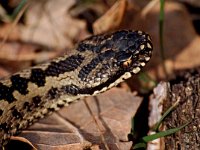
[{"x": 95, "y": 65}]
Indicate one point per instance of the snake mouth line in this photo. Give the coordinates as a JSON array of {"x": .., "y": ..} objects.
[{"x": 118, "y": 78}]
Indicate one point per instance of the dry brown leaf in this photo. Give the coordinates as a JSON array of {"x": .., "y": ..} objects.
[
  {"x": 5, "y": 29},
  {"x": 15, "y": 55},
  {"x": 180, "y": 39},
  {"x": 48, "y": 23},
  {"x": 73, "y": 127},
  {"x": 20, "y": 51},
  {"x": 22, "y": 140},
  {"x": 195, "y": 3},
  {"x": 111, "y": 19},
  {"x": 3, "y": 72}
]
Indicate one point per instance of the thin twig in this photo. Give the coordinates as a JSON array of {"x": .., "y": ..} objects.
[{"x": 98, "y": 127}]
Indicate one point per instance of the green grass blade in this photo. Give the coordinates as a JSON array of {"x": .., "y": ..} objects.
[
  {"x": 163, "y": 133},
  {"x": 18, "y": 8},
  {"x": 156, "y": 128},
  {"x": 140, "y": 145}
]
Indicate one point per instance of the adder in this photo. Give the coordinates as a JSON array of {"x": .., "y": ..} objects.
[{"x": 97, "y": 64}]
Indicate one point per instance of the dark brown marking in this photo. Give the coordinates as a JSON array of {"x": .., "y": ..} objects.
[
  {"x": 82, "y": 47},
  {"x": 26, "y": 106},
  {"x": 38, "y": 77},
  {"x": 60, "y": 105},
  {"x": 127, "y": 41},
  {"x": 16, "y": 114},
  {"x": 36, "y": 100},
  {"x": 99, "y": 42},
  {"x": 20, "y": 84},
  {"x": 70, "y": 89},
  {"x": 52, "y": 93},
  {"x": 4, "y": 127},
  {"x": 51, "y": 109},
  {"x": 94, "y": 48},
  {"x": 6, "y": 93},
  {"x": 84, "y": 72},
  {"x": 69, "y": 64},
  {"x": 120, "y": 35},
  {"x": 87, "y": 45}
]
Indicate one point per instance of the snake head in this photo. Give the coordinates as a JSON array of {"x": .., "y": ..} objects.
[
  {"x": 116, "y": 57},
  {"x": 133, "y": 50}
]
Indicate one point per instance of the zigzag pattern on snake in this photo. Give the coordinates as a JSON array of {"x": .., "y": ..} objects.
[{"x": 96, "y": 64}]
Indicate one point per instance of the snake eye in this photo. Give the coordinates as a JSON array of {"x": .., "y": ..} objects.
[
  {"x": 125, "y": 59},
  {"x": 127, "y": 63}
]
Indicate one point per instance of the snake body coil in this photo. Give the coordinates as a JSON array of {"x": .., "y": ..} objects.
[{"x": 97, "y": 64}]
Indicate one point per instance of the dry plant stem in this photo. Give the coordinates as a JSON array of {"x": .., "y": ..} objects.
[
  {"x": 98, "y": 127},
  {"x": 149, "y": 7},
  {"x": 161, "y": 24},
  {"x": 14, "y": 23}
]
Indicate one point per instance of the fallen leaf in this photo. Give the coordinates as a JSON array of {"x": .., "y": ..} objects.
[
  {"x": 3, "y": 72},
  {"x": 74, "y": 125},
  {"x": 21, "y": 51},
  {"x": 20, "y": 143},
  {"x": 195, "y": 3},
  {"x": 180, "y": 39},
  {"x": 111, "y": 19},
  {"x": 48, "y": 23}
]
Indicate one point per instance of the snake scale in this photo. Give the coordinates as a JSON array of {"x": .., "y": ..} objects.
[{"x": 96, "y": 64}]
